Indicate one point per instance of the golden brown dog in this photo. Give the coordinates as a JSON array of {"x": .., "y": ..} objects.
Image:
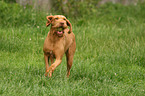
[{"x": 59, "y": 41}]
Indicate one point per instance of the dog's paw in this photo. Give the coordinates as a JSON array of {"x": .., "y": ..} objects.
[
  {"x": 50, "y": 74},
  {"x": 50, "y": 71},
  {"x": 46, "y": 74}
]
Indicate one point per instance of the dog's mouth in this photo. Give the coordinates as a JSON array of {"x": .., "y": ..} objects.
[{"x": 60, "y": 31}]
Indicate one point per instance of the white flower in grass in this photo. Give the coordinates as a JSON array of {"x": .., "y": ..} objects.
[
  {"x": 38, "y": 27},
  {"x": 30, "y": 39},
  {"x": 115, "y": 74}
]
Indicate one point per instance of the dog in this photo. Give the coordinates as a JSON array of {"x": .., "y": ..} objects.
[{"x": 59, "y": 41}]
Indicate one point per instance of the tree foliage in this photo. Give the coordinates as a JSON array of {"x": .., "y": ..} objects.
[{"x": 75, "y": 8}]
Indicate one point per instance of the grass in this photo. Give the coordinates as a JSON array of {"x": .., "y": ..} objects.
[{"x": 109, "y": 59}]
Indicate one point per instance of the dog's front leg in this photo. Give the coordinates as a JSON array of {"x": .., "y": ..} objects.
[{"x": 53, "y": 66}]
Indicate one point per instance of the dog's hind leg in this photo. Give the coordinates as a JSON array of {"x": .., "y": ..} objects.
[{"x": 52, "y": 59}]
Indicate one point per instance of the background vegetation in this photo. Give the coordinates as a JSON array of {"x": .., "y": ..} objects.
[{"x": 109, "y": 59}]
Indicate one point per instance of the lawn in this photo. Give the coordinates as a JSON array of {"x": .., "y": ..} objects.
[{"x": 109, "y": 59}]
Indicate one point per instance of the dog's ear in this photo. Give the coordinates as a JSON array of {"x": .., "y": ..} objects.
[
  {"x": 69, "y": 24},
  {"x": 49, "y": 18}
]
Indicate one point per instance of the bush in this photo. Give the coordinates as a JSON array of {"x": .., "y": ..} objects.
[
  {"x": 16, "y": 15},
  {"x": 9, "y": 1},
  {"x": 75, "y": 8}
]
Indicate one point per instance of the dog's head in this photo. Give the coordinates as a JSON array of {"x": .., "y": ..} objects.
[{"x": 59, "y": 23}]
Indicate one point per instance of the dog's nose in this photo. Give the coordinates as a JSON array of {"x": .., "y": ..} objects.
[{"x": 61, "y": 23}]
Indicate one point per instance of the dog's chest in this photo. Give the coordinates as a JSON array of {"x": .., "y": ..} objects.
[{"x": 51, "y": 47}]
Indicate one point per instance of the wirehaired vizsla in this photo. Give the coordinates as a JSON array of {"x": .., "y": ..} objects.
[{"x": 59, "y": 41}]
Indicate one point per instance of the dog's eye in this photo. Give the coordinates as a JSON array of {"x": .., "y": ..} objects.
[
  {"x": 56, "y": 18},
  {"x": 63, "y": 19}
]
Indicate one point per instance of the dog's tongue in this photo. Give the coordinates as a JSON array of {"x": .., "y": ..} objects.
[{"x": 59, "y": 32}]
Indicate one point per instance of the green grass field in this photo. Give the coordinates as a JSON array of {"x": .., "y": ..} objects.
[{"x": 109, "y": 59}]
